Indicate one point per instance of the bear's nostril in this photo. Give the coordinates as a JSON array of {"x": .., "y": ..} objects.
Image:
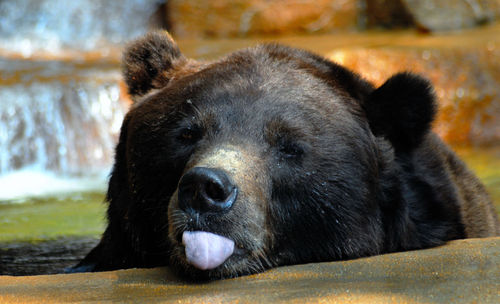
[
  {"x": 206, "y": 189},
  {"x": 214, "y": 191}
]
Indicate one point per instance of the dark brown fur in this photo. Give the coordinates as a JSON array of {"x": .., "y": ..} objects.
[{"x": 327, "y": 167}]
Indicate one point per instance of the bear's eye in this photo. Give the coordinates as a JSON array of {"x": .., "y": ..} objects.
[
  {"x": 290, "y": 150},
  {"x": 190, "y": 134},
  {"x": 187, "y": 135}
]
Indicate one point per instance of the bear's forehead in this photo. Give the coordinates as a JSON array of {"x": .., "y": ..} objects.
[
  {"x": 251, "y": 88},
  {"x": 252, "y": 75}
]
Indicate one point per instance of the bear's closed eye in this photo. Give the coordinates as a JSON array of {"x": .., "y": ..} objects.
[
  {"x": 289, "y": 149},
  {"x": 190, "y": 134}
]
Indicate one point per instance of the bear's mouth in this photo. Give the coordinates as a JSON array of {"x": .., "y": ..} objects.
[
  {"x": 198, "y": 241},
  {"x": 209, "y": 239},
  {"x": 206, "y": 250},
  {"x": 202, "y": 240},
  {"x": 197, "y": 252}
]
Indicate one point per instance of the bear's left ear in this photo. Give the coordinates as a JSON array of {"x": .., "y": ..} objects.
[
  {"x": 402, "y": 110},
  {"x": 147, "y": 61}
]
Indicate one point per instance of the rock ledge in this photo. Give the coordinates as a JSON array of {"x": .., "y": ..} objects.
[{"x": 463, "y": 271}]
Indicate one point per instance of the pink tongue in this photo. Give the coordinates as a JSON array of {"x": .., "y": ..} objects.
[{"x": 206, "y": 250}]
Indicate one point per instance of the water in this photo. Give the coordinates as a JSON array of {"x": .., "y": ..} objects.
[
  {"x": 61, "y": 96},
  {"x": 75, "y": 214},
  {"x": 62, "y": 102},
  {"x": 58, "y": 120},
  {"x": 54, "y": 26},
  {"x": 23, "y": 185},
  {"x": 485, "y": 162}
]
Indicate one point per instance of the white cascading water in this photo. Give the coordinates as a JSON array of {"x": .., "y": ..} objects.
[
  {"x": 60, "y": 117},
  {"x": 28, "y": 26},
  {"x": 58, "y": 134}
]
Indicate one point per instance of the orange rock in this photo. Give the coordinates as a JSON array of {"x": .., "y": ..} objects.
[
  {"x": 224, "y": 18},
  {"x": 466, "y": 81}
]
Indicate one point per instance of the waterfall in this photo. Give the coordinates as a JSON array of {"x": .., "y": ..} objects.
[
  {"x": 61, "y": 97},
  {"x": 61, "y": 124},
  {"x": 27, "y": 26}
]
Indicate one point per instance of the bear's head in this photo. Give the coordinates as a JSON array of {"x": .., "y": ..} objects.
[{"x": 269, "y": 156}]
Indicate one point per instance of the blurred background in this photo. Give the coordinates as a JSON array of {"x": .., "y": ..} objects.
[{"x": 62, "y": 98}]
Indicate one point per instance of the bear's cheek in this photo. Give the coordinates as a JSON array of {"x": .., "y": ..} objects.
[{"x": 245, "y": 223}]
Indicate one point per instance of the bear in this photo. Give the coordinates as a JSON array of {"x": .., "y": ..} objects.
[{"x": 276, "y": 156}]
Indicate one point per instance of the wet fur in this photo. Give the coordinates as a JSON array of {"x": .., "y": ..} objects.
[{"x": 340, "y": 169}]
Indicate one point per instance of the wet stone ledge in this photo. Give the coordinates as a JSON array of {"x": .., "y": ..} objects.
[
  {"x": 222, "y": 18},
  {"x": 251, "y": 18},
  {"x": 463, "y": 271}
]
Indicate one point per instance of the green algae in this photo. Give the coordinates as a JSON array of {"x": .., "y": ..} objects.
[
  {"x": 40, "y": 219},
  {"x": 485, "y": 162}
]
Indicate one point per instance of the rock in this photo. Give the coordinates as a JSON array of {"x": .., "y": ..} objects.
[
  {"x": 463, "y": 271},
  {"x": 387, "y": 14},
  {"x": 466, "y": 81},
  {"x": 224, "y": 18},
  {"x": 47, "y": 257},
  {"x": 430, "y": 15},
  {"x": 439, "y": 15}
]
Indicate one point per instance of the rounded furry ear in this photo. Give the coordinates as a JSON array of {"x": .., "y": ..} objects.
[
  {"x": 147, "y": 61},
  {"x": 402, "y": 110}
]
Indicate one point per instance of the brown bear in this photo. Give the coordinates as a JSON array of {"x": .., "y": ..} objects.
[{"x": 275, "y": 156}]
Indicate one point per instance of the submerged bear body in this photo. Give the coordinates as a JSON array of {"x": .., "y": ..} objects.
[{"x": 275, "y": 156}]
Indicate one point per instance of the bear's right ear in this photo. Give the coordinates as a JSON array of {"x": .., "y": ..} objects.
[{"x": 147, "y": 62}]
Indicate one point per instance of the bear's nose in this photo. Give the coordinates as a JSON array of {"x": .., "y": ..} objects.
[{"x": 206, "y": 189}]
